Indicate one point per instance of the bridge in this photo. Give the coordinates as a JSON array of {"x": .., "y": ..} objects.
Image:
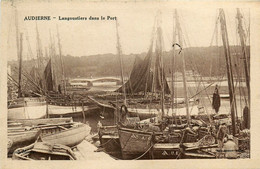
[
  {"x": 105, "y": 79},
  {"x": 90, "y": 81}
]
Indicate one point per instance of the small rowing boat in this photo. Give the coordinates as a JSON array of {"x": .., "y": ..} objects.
[
  {"x": 69, "y": 134},
  {"x": 44, "y": 151},
  {"x": 21, "y": 137}
]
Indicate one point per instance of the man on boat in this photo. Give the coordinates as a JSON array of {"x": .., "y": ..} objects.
[
  {"x": 59, "y": 89},
  {"x": 246, "y": 117},
  {"x": 216, "y": 100},
  {"x": 99, "y": 125},
  {"x": 221, "y": 134}
]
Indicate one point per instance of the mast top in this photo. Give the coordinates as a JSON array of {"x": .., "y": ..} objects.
[{"x": 121, "y": 62}]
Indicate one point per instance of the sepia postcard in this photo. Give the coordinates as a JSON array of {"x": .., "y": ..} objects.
[{"x": 168, "y": 84}]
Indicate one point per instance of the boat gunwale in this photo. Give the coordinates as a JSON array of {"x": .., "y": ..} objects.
[
  {"x": 137, "y": 131},
  {"x": 30, "y": 148},
  {"x": 61, "y": 133},
  {"x": 16, "y": 133}
]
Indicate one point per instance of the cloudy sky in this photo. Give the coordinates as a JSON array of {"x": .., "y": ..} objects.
[{"x": 81, "y": 38}]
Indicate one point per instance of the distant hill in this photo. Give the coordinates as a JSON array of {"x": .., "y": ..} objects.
[
  {"x": 206, "y": 61},
  {"x": 203, "y": 60}
]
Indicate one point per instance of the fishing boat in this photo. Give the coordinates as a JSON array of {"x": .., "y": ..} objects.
[
  {"x": 70, "y": 110},
  {"x": 134, "y": 143},
  {"x": 142, "y": 91},
  {"x": 69, "y": 134},
  {"x": 30, "y": 109},
  {"x": 44, "y": 151},
  {"x": 20, "y": 137},
  {"x": 206, "y": 147},
  {"x": 60, "y": 101},
  {"x": 236, "y": 127},
  {"x": 29, "y": 103},
  {"x": 165, "y": 136},
  {"x": 45, "y": 87}
]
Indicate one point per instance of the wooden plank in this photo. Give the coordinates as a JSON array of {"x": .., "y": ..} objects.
[
  {"x": 201, "y": 147},
  {"x": 199, "y": 155},
  {"x": 110, "y": 137},
  {"x": 166, "y": 146}
]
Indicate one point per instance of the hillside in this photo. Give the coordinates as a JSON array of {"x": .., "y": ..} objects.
[{"x": 207, "y": 61}]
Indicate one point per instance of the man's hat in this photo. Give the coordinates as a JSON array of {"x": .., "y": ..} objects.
[
  {"x": 223, "y": 122},
  {"x": 230, "y": 137}
]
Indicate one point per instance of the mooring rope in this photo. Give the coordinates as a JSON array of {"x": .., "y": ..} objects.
[{"x": 143, "y": 153}]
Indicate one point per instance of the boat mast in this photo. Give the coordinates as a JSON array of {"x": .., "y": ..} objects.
[
  {"x": 150, "y": 51},
  {"x": 39, "y": 50},
  {"x": 241, "y": 33},
  {"x": 17, "y": 33},
  {"x": 121, "y": 62},
  {"x": 20, "y": 65},
  {"x": 183, "y": 67},
  {"x": 18, "y": 53},
  {"x": 172, "y": 69},
  {"x": 229, "y": 68},
  {"x": 62, "y": 62},
  {"x": 52, "y": 54},
  {"x": 39, "y": 58},
  {"x": 160, "y": 59}
]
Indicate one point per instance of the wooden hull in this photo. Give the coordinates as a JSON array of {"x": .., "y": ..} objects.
[
  {"x": 44, "y": 151},
  {"x": 27, "y": 112},
  {"x": 36, "y": 122},
  {"x": 21, "y": 138},
  {"x": 69, "y": 103},
  {"x": 27, "y": 108},
  {"x": 134, "y": 143},
  {"x": 106, "y": 108},
  {"x": 142, "y": 110},
  {"x": 59, "y": 111},
  {"x": 189, "y": 151},
  {"x": 111, "y": 145},
  {"x": 166, "y": 151},
  {"x": 26, "y": 101},
  {"x": 109, "y": 140},
  {"x": 70, "y": 137}
]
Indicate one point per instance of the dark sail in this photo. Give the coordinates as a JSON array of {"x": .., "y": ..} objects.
[
  {"x": 141, "y": 78},
  {"x": 139, "y": 75},
  {"x": 49, "y": 77}
]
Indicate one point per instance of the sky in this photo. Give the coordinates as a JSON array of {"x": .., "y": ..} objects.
[{"x": 89, "y": 37}]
